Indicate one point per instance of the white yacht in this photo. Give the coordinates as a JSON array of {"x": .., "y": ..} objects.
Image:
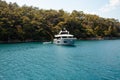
[{"x": 64, "y": 38}]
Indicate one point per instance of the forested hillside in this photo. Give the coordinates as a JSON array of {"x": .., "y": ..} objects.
[{"x": 29, "y": 23}]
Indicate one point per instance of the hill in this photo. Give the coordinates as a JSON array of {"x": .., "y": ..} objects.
[{"x": 29, "y": 23}]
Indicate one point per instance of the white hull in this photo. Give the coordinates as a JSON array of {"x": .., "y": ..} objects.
[{"x": 64, "y": 41}]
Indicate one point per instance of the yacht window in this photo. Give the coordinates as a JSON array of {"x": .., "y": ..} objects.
[
  {"x": 64, "y": 37},
  {"x": 58, "y": 41},
  {"x": 64, "y": 32},
  {"x": 65, "y": 41},
  {"x": 70, "y": 37},
  {"x": 57, "y": 37}
]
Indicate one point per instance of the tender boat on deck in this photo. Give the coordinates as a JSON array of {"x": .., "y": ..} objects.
[{"x": 64, "y": 38}]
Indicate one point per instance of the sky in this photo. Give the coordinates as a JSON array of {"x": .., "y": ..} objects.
[{"x": 102, "y": 8}]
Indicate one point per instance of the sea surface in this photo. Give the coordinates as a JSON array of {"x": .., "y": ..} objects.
[{"x": 87, "y": 60}]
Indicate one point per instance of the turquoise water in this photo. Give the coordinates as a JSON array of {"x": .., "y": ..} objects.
[{"x": 88, "y": 60}]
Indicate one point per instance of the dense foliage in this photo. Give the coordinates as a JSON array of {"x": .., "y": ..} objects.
[{"x": 30, "y": 23}]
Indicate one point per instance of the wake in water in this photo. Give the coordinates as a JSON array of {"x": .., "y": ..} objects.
[{"x": 47, "y": 42}]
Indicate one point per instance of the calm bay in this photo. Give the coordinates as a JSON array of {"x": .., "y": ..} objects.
[{"x": 87, "y": 60}]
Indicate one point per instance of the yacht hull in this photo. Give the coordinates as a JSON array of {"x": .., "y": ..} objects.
[{"x": 64, "y": 41}]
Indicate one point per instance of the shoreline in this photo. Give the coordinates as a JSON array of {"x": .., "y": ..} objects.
[
  {"x": 100, "y": 38},
  {"x": 19, "y": 41}
]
